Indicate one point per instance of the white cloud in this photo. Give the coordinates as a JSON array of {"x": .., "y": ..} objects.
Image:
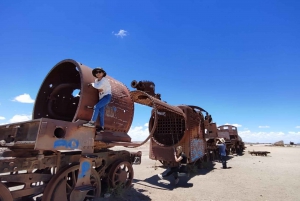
[
  {"x": 139, "y": 133},
  {"x": 263, "y": 126},
  {"x": 20, "y": 118},
  {"x": 2, "y": 118},
  {"x": 121, "y": 33},
  {"x": 25, "y": 98},
  {"x": 269, "y": 137},
  {"x": 294, "y": 133},
  {"x": 236, "y": 125},
  {"x": 297, "y": 126}
]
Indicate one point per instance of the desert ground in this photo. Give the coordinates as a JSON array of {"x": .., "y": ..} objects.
[{"x": 273, "y": 177}]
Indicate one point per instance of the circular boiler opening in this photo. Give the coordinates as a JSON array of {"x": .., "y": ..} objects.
[
  {"x": 170, "y": 128},
  {"x": 59, "y": 94},
  {"x": 59, "y": 132}
]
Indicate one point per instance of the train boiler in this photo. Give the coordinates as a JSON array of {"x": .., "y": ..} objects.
[
  {"x": 53, "y": 156},
  {"x": 171, "y": 126}
]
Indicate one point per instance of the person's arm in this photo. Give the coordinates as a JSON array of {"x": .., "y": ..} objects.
[{"x": 177, "y": 159}]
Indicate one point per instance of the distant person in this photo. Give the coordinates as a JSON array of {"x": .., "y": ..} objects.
[
  {"x": 103, "y": 86},
  {"x": 238, "y": 149},
  {"x": 222, "y": 150},
  {"x": 181, "y": 158}
]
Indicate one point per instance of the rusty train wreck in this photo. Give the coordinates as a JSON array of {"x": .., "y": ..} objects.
[
  {"x": 188, "y": 126},
  {"x": 52, "y": 156}
]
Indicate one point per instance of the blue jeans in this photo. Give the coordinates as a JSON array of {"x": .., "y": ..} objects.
[
  {"x": 99, "y": 109},
  {"x": 175, "y": 171},
  {"x": 223, "y": 159}
]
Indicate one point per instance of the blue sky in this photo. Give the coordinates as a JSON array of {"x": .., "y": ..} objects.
[{"x": 239, "y": 60}]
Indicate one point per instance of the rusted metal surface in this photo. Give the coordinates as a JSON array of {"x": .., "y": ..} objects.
[
  {"x": 38, "y": 175},
  {"x": 61, "y": 186},
  {"x": 5, "y": 194},
  {"x": 83, "y": 184},
  {"x": 62, "y": 135},
  {"x": 234, "y": 142},
  {"x": 228, "y": 132},
  {"x": 33, "y": 183},
  {"x": 121, "y": 172},
  {"x": 22, "y": 134},
  {"x": 56, "y": 156},
  {"x": 189, "y": 126},
  {"x": 159, "y": 109},
  {"x": 65, "y": 94},
  {"x": 170, "y": 126},
  {"x": 146, "y": 86}
]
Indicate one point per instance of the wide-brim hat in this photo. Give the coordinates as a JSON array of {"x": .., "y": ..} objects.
[
  {"x": 222, "y": 140},
  {"x": 95, "y": 70}
]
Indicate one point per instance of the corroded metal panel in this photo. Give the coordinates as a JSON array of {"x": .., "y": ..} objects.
[
  {"x": 62, "y": 135},
  {"x": 224, "y": 134},
  {"x": 197, "y": 147},
  {"x": 171, "y": 126},
  {"x": 21, "y": 134},
  {"x": 232, "y": 130},
  {"x": 66, "y": 94}
]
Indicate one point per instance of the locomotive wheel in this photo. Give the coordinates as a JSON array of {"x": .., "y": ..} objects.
[
  {"x": 62, "y": 184},
  {"x": 5, "y": 194},
  {"x": 121, "y": 173}
]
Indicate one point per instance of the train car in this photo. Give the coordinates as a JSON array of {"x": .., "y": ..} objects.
[
  {"x": 53, "y": 157},
  {"x": 171, "y": 126},
  {"x": 184, "y": 125},
  {"x": 234, "y": 142}
]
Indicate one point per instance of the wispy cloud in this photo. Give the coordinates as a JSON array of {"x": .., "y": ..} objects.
[
  {"x": 2, "y": 118},
  {"x": 20, "y": 118},
  {"x": 263, "y": 126},
  {"x": 236, "y": 125},
  {"x": 297, "y": 126},
  {"x": 122, "y": 33},
  {"x": 25, "y": 98}
]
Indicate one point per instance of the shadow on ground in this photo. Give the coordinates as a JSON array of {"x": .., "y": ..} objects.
[
  {"x": 168, "y": 183},
  {"x": 132, "y": 194},
  {"x": 136, "y": 193}
]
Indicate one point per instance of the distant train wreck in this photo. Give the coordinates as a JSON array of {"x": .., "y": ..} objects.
[{"x": 188, "y": 126}]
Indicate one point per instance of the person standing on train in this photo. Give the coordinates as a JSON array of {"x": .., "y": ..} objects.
[{"x": 104, "y": 88}]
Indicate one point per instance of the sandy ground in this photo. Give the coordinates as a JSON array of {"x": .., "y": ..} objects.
[{"x": 275, "y": 177}]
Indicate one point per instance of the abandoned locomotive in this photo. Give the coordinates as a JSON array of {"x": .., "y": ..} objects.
[{"x": 54, "y": 157}]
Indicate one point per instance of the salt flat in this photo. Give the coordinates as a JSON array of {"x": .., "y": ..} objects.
[{"x": 275, "y": 177}]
